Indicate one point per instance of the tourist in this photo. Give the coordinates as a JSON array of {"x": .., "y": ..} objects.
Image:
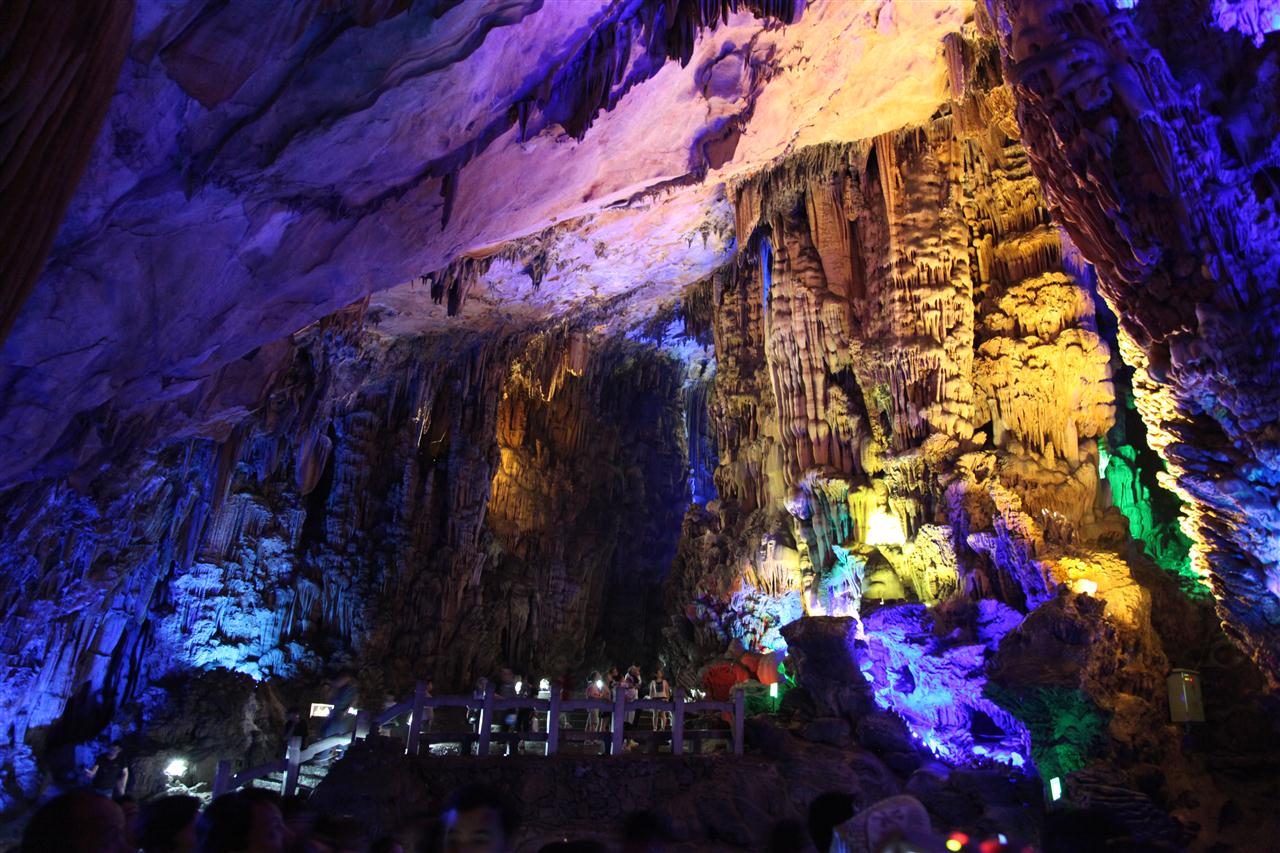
[
  {"x": 168, "y": 825},
  {"x": 644, "y": 832},
  {"x": 342, "y": 695},
  {"x": 595, "y": 690},
  {"x": 479, "y": 819},
  {"x": 129, "y": 807},
  {"x": 631, "y": 683},
  {"x": 76, "y": 822},
  {"x": 110, "y": 773},
  {"x": 566, "y": 694},
  {"x": 660, "y": 691},
  {"x": 428, "y": 713},
  {"x": 826, "y": 812},
  {"x": 524, "y": 716},
  {"x": 507, "y": 689},
  {"x": 477, "y": 703},
  {"x": 246, "y": 821},
  {"x": 295, "y": 726}
]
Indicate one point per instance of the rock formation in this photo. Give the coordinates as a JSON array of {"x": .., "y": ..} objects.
[{"x": 913, "y": 360}]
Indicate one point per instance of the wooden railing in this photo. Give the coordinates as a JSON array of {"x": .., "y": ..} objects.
[{"x": 492, "y": 708}]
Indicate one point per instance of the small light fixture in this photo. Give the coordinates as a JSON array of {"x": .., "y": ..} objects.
[
  {"x": 599, "y": 684},
  {"x": 773, "y": 690},
  {"x": 519, "y": 686},
  {"x": 175, "y": 768},
  {"x": 1055, "y": 789},
  {"x": 320, "y": 709},
  {"x": 354, "y": 712}
]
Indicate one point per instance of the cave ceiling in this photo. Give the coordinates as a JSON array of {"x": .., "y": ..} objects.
[{"x": 262, "y": 165}]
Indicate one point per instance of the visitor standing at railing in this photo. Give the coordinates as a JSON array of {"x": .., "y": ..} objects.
[
  {"x": 566, "y": 694},
  {"x": 507, "y": 689},
  {"x": 342, "y": 694},
  {"x": 595, "y": 690},
  {"x": 295, "y": 725},
  {"x": 660, "y": 690},
  {"x": 632, "y": 683},
  {"x": 428, "y": 713},
  {"x": 477, "y": 699}
]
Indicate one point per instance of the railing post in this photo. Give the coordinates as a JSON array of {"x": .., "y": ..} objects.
[
  {"x": 553, "y": 721},
  {"x": 486, "y": 721},
  {"x": 292, "y": 761},
  {"x": 739, "y": 715},
  {"x": 618, "y": 722},
  {"x": 415, "y": 718},
  {"x": 677, "y": 722},
  {"x": 222, "y": 777}
]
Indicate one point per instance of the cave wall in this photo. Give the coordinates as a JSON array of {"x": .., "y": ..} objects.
[
  {"x": 396, "y": 508},
  {"x": 915, "y": 401},
  {"x": 901, "y": 325},
  {"x": 1168, "y": 187}
]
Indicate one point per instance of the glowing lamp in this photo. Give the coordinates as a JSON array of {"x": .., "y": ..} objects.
[
  {"x": 1084, "y": 586},
  {"x": 884, "y": 529},
  {"x": 954, "y": 845},
  {"x": 320, "y": 709},
  {"x": 599, "y": 684},
  {"x": 175, "y": 768},
  {"x": 544, "y": 684},
  {"x": 519, "y": 686},
  {"x": 353, "y": 712},
  {"x": 1055, "y": 789},
  {"x": 773, "y": 690}
]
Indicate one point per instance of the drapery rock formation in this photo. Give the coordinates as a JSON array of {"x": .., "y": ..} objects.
[
  {"x": 913, "y": 359},
  {"x": 1170, "y": 192}
]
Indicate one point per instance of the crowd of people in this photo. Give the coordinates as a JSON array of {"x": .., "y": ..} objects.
[
  {"x": 480, "y": 819},
  {"x": 609, "y": 686},
  {"x": 476, "y": 819}
]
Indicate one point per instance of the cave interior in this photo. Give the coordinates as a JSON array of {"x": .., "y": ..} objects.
[{"x": 907, "y": 365}]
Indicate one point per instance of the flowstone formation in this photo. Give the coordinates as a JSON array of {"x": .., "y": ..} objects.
[
  {"x": 400, "y": 508},
  {"x": 1168, "y": 187},
  {"x": 911, "y": 363},
  {"x": 916, "y": 416}
]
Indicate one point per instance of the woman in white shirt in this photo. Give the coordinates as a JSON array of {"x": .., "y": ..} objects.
[{"x": 660, "y": 690}]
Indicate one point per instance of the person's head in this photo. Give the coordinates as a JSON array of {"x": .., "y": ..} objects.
[
  {"x": 129, "y": 806},
  {"x": 506, "y": 675},
  {"x": 341, "y": 834},
  {"x": 658, "y": 674},
  {"x": 787, "y": 836},
  {"x": 1067, "y": 829},
  {"x": 826, "y": 812},
  {"x": 168, "y": 825},
  {"x": 482, "y": 683},
  {"x": 113, "y": 750},
  {"x": 644, "y": 832},
  {"x": 247, "y": 821},
  {"x": 479, "y": 819},
  {"x": 76, "y": 822}
]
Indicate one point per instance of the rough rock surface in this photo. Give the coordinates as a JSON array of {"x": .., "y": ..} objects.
[
  {"x": 1166, "y": 190},
  {"x": 335, "y": 367}
]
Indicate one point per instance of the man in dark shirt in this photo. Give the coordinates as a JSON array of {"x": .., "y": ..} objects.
[
  {"x": 295, "y": 725},
  {"x": 110, "y": 774}
]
